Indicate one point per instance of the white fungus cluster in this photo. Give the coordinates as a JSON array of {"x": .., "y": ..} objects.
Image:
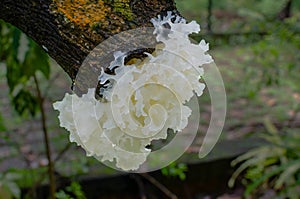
[{"x": 144, "y": 99}]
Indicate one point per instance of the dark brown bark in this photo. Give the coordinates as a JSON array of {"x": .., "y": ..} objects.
[
  {"x": 286, "y": 11},
  {"x": 209, "y": 16},
  {"x": 67, "y": 42}
]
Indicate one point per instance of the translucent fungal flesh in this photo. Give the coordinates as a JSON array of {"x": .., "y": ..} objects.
[{"x": 143, "y": 99}]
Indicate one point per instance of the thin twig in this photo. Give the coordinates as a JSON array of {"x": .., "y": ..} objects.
[
  {"x": 160, "y": 186},
  {"x": 62, "y": 152},
  {"x": 140, "y": 184},
  {"x": 46, "y": 140},
  {"x": 43, "y": 175}
]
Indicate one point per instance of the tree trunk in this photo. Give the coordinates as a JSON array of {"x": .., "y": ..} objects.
[{"x": 69, "y": 29}]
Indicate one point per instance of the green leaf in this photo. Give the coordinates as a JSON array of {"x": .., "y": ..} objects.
[
  {"x": 36, "y": 60},
  {"x": 254, "y": 172},
  {"x": 16, "y": 35},
  {"x": 75, "y": 188},
  {"x": 10, "y": 51},
  {"x": 13, "y": 72},
  {"x": 250, "y": 154},
  {"x": 259, "y": 157},
  {"x": 270, "y": 126},
  {"x": 287, "y": 174},
  {"x": 14, "y": 189},
  {"x": 62, "y": 195},
  {"x": 247, "y": 164},
  {"x": 164, "y": 171},
  {"x": 263, "y": 178},
  {"x": 182, "y": 176},
  {"x": 175, "y": 170},
  {"x": 2, "y": 126},
  {"x": 25, "y": 102}
]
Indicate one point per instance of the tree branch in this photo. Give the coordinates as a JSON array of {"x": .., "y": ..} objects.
[{"x": 69, "y": 30}]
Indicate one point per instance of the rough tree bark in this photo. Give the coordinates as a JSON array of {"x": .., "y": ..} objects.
[
  {"x": 69, "y": 29},
  {"x": 286, "y": 11}
]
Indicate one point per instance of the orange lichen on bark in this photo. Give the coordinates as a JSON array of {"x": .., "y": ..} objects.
[
  {"x": 88, "y": 22},
  {"x": 82, "y": 12}
]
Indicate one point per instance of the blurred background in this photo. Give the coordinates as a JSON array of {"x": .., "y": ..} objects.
[{"x": 256, "y": 46}]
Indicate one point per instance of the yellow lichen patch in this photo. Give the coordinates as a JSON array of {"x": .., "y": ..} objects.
[{"x": 82, "y": 12}]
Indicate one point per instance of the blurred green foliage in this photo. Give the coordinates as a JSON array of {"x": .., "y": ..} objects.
[
  {"x": 272, "y": 60},
  {"x": 273, "y": 166},
  {"x": 23, "y": 59},
  {"x": 73, "y": 191},
  {"x": 275, "y": 58},
  {"x": 2, "y": 126},
  {"x": 235, "y": 16},
  {"x": 28, "y": 177},
  {"x": 175, "y": 170},
  {"x": 8, "y": 187},
  {"x": 260, "y": 9}
]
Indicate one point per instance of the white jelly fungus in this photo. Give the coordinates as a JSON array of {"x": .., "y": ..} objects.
[{"x": 143, "y": 100}]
